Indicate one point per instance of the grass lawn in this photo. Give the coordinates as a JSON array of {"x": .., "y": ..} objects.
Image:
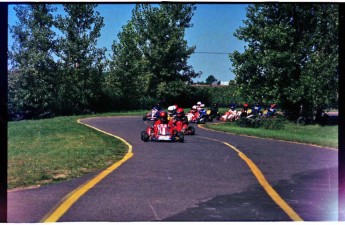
[
  {"x": 51, "y": 150},
  {"x": 313, "y": 134}
]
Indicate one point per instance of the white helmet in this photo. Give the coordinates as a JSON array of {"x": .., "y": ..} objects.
[
  {"x": 194, "y": 107},
  {"x": 170, "y": 109},
  {"x": 202, "y": 105},
  {"x": 198, "y": 103}
]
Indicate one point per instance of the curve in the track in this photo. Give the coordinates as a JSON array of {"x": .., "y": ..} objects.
[
  {"x": 76, "y": 194},
  {"x": 160, "y": 181}
]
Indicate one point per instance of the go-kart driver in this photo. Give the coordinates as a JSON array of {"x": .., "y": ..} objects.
[
  {"x": 172, "y": 111},
  {"x": 231, "y": 114},
  {"x": 256, "y": 109},
  {"x": 272, "y": 110},
  {"x": 194, "y": 109},
  {"x": 180, "y": 116},
  {"x": 156, "y": 109},
  {"x": 244, "y": 111},
  {"x": 163, "y": 119},
  {"x": 198, "y": 105}
]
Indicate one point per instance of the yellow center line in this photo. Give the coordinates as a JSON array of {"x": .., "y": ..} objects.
[
  {"x": 73, "y": 196},
  {"x": 264, "y": 183}
]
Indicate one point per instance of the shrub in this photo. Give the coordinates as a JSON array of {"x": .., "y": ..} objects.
[{"x": 274, "y": 123}]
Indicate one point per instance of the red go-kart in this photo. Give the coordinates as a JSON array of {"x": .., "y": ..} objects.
[
  {"x": 162, "y": 132},
  {"x": 183, "y": 127}
]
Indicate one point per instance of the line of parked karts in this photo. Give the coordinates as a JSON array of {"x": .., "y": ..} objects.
[{"x": 174, "y": 124}]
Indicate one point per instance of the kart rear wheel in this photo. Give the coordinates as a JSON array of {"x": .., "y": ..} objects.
[
  {"x": 180, "y": 136},
  {"x": 201, "y": 121},
  {"x": 144, "y": 136},
  {"x": 191, "y": 130},
  {"x": 144, "y": 118}
]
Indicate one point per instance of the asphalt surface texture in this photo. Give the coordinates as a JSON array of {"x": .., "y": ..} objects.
[{"x": 198, "y": 180}]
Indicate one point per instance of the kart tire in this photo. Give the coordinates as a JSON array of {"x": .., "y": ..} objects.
[
  {"x": 201, "y": 121},
  {"x": 191, "y": 130},
  {"x": 142, "y": 135},
  {"x": 180, "y": 136},
  {"x": 144, "y": 118},
  {"x": 145, "y": 137}
]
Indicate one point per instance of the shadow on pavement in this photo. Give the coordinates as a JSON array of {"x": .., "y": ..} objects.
[{"x": 318, "y": 203}]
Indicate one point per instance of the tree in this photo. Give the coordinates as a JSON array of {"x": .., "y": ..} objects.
[
  {"x": 291, "y": 57},
  {"x": 127, "y": 79},
  {"x": 81, "y": 62},
  {"x": 210, "y": 79},
  {"x": 32, "y": 86},
  {"x": 159, "y": 53}
]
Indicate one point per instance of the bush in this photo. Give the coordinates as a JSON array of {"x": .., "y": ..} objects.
[{"x": 275, "y": 123}]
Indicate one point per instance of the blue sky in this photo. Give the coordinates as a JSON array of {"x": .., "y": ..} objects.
[{"x": 214, "y": 25}]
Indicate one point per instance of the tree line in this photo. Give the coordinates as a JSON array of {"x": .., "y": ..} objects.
[{"x": 291, "y": 59}]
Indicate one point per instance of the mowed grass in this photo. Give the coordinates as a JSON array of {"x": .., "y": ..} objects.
[
  {"x": 52, "y": 150},
  {"x": 326, "y": 136}
]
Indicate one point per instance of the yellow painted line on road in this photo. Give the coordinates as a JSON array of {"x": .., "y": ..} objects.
[
  {"x": 264, "y": 183},
  {"x": 72, "y": 197}
]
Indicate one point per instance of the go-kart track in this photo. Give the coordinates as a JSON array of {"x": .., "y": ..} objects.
[{"x": 212, "y": 176}]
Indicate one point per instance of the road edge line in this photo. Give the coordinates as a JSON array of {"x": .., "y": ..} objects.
[{"x": 74, "y": 195}]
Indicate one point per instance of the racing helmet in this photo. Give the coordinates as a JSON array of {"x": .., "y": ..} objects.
[
  {"x": 163, "y": 116},
  {"x": 171, "y": 110},
  {"x": 273, "y": 106},
  {"x": 179, "y": 112},
  {"x": 194, "y": 107},
  {"x": 202, "y": 105},
  {"x": 232, "y": 106},
  {"x": 198, "y": 103},
  {"x": 245, "y": 105}
]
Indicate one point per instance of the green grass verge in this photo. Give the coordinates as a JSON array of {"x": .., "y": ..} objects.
[
  {"x": 51, "y": 150},
  {"x": 312, "y": 134}
]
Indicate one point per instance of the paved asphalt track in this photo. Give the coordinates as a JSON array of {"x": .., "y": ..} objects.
[{"x": 198, "y": 180}]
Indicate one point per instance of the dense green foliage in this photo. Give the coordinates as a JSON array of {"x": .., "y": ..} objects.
[
  {"x": 291, "y": 57},
  {"x": 150, "y": 59},
  {"x": 210, "y": 79},
  {"x": 57, "y": 74},
  {"x": 81, "y": 63},
  {"x": 263, "y": 122},
  {"x": 32, "y": 83}
]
